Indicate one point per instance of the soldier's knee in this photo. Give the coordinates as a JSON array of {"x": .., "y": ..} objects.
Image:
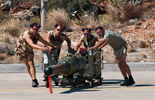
[
  {"x": 119, "y": 64},
  {"x": 30, "y": 63}
]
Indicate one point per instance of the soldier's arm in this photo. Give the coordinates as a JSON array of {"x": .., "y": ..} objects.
[
  {"x": 100, "y": 44},
  {"x": 48, "y": 38},
  {"x": 45, "y": 42},
  {"x": 78, "y": 45},
  {"x": 68, "y": 42},
  {"x": 30, "y": 42},
  {"x": 96, "y": 41},
  {"x": 103, "y": 43}
]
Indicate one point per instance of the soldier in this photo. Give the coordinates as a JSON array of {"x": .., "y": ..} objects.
[
  {"x": 24, "y": 49},
  {"x": 119, "y": 46},
  {"x": 56, "y": 38},
  {"x": 87, "y": 39}
]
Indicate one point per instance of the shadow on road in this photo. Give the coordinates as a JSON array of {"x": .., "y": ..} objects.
[
  {"x": 81, "y": 88},
  {"x": 105, "y": 82},
  {"x": 86, "y": 88},
  {"x": 143, "y": 85},
  {"x": 111, "y": 81}
]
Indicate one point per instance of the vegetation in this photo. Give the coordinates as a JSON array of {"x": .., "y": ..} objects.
[
  {"x": 58, "y": 16},
  {"x": 78, "y": 13},
  {"x": 3, "y": 17},
  {"x": 14, "y": 27},
  {"x": 72, "y": 7},
  {"x": 36, "y": 2}
]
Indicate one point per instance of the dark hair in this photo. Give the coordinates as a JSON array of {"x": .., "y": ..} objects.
[
  {"x": 35, "y": 24},
  {"x": 88, "y": 29},
  {"x": 100, "y": 28},
  {"x": 56, "y": 25}
]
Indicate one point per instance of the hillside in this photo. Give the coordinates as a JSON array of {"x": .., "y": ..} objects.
[{"x": 135, "y": 22}]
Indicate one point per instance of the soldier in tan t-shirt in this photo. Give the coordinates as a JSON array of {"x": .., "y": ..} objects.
[
  {"x": 119, "y": 46},
  {"x": 87, "y": 39},
  {"x": 56, "y": 38},
  {"x": 24, "y": 49}
]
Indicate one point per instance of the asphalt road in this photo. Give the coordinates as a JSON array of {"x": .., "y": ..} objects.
[
  {"x": 20, "y": 68},
  {"x": 15, "y": 84}
]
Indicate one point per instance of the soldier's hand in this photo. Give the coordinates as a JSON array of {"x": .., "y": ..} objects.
[
  {"x": 92, "y": 48},
  {"x": 71, "y": 50},
  {"x": 45, "y": 49},
  {"x": 50, "y": 50}
]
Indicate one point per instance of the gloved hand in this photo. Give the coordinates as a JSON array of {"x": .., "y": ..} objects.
[{"x": 71, "y": 50}]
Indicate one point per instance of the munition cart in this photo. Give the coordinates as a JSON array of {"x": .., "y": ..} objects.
[{"x": 74, "y": 69}]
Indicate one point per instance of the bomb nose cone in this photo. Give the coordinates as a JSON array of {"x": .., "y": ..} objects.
[{"x": 48, "y": 71}]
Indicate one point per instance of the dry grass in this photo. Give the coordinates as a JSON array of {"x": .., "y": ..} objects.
[
  {"x": 133, "y": 11},
  {"x": 85, "y": 21},
  {"x": 123, "y": 14},
  {"x": 150, "y": 10},
  {"x": 11, "y": 29},
  {"x": 2, "y": 57},
  {"x": 114, "y": 16},
  {"x": 131, "y": 48},
  {"x": 105, "y": 21},
  {"x": 5, "y": 37},
  {"x": 89, "y": 21},
  {"x": 35, "y": 19},
  {"x": 75, "y": 22},
  {"x": 14, "y": 27},
  {"x": 58, "y": 16},
  {"x": 142, "y": 44},
  {"x": 111, "y": 19},
  {"x": 143, "y": 55},
  {"x": 115, "y": 13}
]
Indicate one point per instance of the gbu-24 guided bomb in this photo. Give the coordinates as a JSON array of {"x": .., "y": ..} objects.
[
  {"x": 68, "y": 66},
  {"x": 75, "y": 69}
]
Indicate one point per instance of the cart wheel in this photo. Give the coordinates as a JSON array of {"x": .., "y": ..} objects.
[
  {"x": 91, "y": 84},
  {"x": 74, "y": 85},
  {"x": 56, "y": 83},
  {"x": 99, "y": 81},
  {"x": 83, "y": 82}
]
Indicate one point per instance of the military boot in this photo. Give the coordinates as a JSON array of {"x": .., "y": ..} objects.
[
  {"x": 131, "y": 81},
  {"x": 35, "y": 83},
  {"x": 125, "y": 83}
]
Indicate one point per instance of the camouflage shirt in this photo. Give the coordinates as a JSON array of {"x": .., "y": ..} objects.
[{"x": 23, "y": 48}]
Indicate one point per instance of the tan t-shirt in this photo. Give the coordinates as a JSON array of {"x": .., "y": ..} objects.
[
  {"x": 89, "y": 43},
  {"x": 23, "y": 48},
  {"x": 59, "y": 42},
  {"x": 115, "y": 40}
]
